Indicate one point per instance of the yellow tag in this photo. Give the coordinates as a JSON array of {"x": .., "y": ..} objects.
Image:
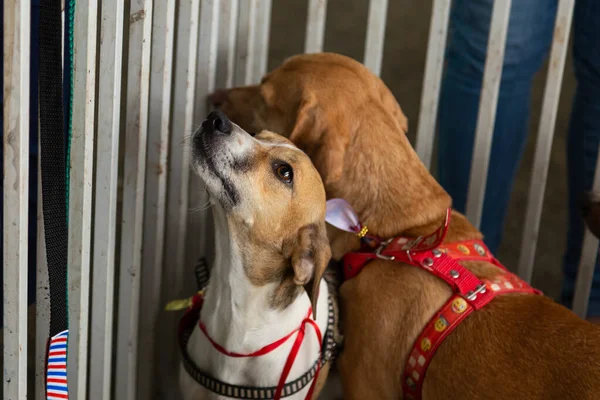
[
  {"x": 176, "y": 305},
  {"x": 182, "y": 304},
  {"x": 363, "y": 232}
]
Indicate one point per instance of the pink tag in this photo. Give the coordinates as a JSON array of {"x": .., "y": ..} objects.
[{"x": 341, "y": 215}]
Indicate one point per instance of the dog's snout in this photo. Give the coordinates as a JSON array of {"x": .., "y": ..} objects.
[{"x": 216, "y": 122}]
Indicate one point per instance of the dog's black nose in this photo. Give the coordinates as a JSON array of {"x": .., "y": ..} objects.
[{"x": 216, "y": 122}]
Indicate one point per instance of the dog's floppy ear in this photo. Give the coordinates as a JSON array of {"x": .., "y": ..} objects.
[
  {"x": 309, "y": 258},
  {"x": 323, "y": 135}
]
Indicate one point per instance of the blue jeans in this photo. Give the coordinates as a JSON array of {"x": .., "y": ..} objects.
[{"x": 529, "y": 37}]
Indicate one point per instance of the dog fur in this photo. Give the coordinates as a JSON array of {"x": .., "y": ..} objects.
[
  {"x": 518, "y": 347},
  {"x": 271, "y": 247}
]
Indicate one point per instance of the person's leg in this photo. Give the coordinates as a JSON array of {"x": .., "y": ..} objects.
[
  {"x": 529, "y": 36},
  {"x": 583, "y": 140}
]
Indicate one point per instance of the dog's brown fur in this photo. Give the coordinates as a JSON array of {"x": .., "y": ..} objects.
[{"x": 346, "y": 119}]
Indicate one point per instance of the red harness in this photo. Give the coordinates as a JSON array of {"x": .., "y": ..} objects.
[
  {"x": 470, "y": 292},
  {"x": 197, "y": 302}
]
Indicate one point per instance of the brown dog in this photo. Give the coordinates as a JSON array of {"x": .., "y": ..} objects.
[{"x": 517, "y": 347}]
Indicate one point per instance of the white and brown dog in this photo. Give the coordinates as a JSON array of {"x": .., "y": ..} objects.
[{"x": 268, "y": 204}]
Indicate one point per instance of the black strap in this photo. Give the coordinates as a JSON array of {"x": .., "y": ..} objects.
[{"x": 53, "y": 160}]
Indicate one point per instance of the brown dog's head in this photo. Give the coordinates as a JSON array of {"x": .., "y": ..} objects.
[
  {"x": 272, "y": 201},
  {"x": 352, "y": 128}
]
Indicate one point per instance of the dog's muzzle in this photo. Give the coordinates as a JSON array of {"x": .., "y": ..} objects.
[{"x": 215, "y": 126}]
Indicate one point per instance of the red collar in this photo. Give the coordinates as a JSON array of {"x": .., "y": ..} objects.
[
  {"x": 470, "y": 292},
  {"x": 197, "y": 302}
]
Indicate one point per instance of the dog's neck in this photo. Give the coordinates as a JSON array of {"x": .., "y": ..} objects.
[
  {"x": 402, "y": 198},
  {"x": 239, "y": 315}
]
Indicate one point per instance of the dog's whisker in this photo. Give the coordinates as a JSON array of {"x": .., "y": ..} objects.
[{"x": 201, "y": 208}]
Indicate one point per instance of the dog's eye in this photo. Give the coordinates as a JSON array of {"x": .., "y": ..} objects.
[{"x": 285, "y": 173}]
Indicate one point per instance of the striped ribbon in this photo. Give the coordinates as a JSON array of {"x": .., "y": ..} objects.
[{"x": 56, "y": 367}]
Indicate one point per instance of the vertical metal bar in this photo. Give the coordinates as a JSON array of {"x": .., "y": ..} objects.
[
  {"x": 198, "y": 226},
  {"x": 80, "y": 193},
  {"x": 182, "y": 124},
  {"x": 315, "y": 26},
  {"x": 587, "y": 263},
  {"x": 184, "y": 82},
  {"x": 434, "y": 66},
  {"x": 151, "y": 333},
  {"x": 134, "y": 171},
  {"x": 262, "y": 29},
  {"x": 227, "y": 44},
  {"x": 16, "y": 193},
  {"x": 207, "y": 55},
  {"x": 487, "y": 110},
  {"x": 375, "y": 35},
  {"x": 105, "y": 197},
  {"x": 541, "y": 162},
  {"x": 245, "y": 50}
]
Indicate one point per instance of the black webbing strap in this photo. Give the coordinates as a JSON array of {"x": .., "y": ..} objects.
[{"x": 53, "y": 160}]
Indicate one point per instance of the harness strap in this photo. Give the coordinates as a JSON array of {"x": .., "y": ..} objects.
[
  {"x": 301, "y": 331},
  {"x": 292, "y": 357},
  {"x": 260, "y": 352},
  {"x": 54, "y": 177},
  {"x": 328, "y": 350},
  {"x": 442, "y": 324},
  {"x": 442, "y": 260},
  {"x": 53, "y": 161}
]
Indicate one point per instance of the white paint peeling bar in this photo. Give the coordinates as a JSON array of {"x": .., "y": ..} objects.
[
  {"x": 375, "y": 35},
  {"x": 80, "y": 198},
  {"x": 182, "y": 124},
  {"x": 246, "y": 39},
  {"x": 105, "y": 197},
  {"x": 315, "y": 26},
  {"x": 197, "y": 226},
  {"x": 434, "y": 66},
  {"x": 134, "y": 170},
  {"x": 16, "y": 193},
  {"x": 176, "y": 284},
  {"x": 226, "y": 51},
  {"x": 543, "y": 149},
  {"x": 487, "y": 110},
  {"x": 151, "y": 330},
  {"x": 261, "y": 40}
]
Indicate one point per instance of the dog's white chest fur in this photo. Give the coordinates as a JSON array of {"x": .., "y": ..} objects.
[{"x": 246, "y": 334}]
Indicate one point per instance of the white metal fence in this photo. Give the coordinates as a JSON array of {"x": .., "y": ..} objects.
[{"x": 133, "y": 199}]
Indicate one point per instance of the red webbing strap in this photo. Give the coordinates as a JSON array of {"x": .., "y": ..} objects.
[
  {"x": 442, "y": 260},
  {"x": 301, "y": 330},
  {"x": 292, "y": 357},
  {"x": 461, "y": 280},
  {"x": 437, "y": 329},
  {"x": 260, "y": 352},
  {"x": 454, "y": 311}
]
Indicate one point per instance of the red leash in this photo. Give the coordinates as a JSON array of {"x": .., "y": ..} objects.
[{"x": 301, "y": 330}]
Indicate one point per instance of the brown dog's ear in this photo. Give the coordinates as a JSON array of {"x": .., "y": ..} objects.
[
  {"x": 323, "y": 136},
  {"x": 309, "y": 258}
]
